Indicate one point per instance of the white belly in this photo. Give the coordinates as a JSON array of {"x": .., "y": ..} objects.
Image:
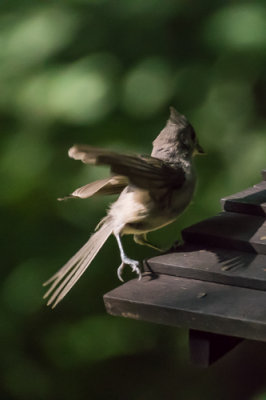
[{"x": 136, "y": 212}]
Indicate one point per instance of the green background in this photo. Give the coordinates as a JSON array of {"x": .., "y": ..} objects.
[{"x": 105, "y": 73}]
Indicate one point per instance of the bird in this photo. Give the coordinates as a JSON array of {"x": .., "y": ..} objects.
[{"x": 153, "y": 191}]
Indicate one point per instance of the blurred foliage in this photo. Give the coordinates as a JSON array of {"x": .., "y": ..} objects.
[{"x": 105, "y": 72}]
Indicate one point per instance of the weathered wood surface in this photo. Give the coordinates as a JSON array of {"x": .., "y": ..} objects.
[
  {"x": 214, "y": 285},
  {"x": 230, "y": 230},
  {"x": 206, "y": 348},
  {"x": 229, "y": 267},
  {"x": 249, "y": 201},
  {"x": 193, "y": 304}
]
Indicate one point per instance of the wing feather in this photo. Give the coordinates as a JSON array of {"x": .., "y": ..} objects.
[
  {"x": 142, "y": 171},
  {"x": 108, "y": 186}
]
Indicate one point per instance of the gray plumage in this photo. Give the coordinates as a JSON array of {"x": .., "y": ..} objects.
[{"x": 154, "y": 191}]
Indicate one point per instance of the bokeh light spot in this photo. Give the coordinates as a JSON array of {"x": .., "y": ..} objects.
[
  {"x": 82, "y": 93},
  {"x": 238, "y": 26},
  {"x": 35, "y": 36},
  {"x": 147, "y": 87}
]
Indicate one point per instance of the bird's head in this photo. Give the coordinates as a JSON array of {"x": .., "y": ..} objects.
[{"x": 177, "y": 140}]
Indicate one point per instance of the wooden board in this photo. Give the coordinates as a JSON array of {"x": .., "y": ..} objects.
[
  {"x": 230, "y": 267},
  {"x": 206, "y": 348},
  {"x": 249, "y": 201},
  {"x": 230, "y": 230},
  {"x": 204, "y": 306}
]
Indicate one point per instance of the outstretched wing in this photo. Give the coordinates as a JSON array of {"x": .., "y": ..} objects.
[
  {"x": 107, "y": 186},
  {"x": 142, "y": 171}
]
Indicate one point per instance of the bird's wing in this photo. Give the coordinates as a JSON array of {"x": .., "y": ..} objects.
[
  {"x": 108, "y": 186},
  {"x": 142, "y": 171}
]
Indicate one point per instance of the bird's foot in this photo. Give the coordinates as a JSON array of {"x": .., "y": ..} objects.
[{"x": 134, "y": 266}]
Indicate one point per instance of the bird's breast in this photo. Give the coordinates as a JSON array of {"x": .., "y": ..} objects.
[
  {"x": 152, "y": 214},
  {"x": 181, "y": 198}
]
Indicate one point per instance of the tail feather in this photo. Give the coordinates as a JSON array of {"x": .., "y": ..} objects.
[{"x": 69, "y": 274}]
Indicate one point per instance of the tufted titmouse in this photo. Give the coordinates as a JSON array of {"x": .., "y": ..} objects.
[{"x": 154, "y": 189}]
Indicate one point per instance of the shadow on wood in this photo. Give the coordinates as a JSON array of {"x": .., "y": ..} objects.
[
  {"x": 214, "y": 285},
  {"x": 206, "y": 348}
]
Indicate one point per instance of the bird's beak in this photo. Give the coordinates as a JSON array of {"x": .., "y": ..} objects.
[{"x": 199, "y": 149}]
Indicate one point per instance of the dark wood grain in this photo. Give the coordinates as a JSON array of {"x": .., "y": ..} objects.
[
  {"x": 249, "y": 201},
  {"x": 212, "y": 264},
  {"x": 230, "y": 230},
  {"x": 193, "y": 304}
]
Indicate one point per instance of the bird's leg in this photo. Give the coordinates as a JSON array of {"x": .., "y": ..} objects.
[
  {"x": 142, "y": 239},
  {"x": 126, "y": 260}
]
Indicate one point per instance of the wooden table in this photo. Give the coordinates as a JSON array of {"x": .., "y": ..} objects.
[{"x": 214, "y": 284}]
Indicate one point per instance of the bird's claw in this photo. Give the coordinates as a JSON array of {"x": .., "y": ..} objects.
[
  {"x": 120, "y": 270},
  {"x": 134, "y": 266}
]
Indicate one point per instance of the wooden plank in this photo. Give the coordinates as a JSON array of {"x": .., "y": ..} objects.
[
  {"x": 249, "y": 201},
  {"x": 206, "y": 348},
  {"x": 230, "y": 230},
  {"x": 192, "y": 304},
  {"x": 214, "y": 264}
]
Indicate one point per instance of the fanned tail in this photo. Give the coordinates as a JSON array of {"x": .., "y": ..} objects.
[{"x": 68, "y": 275}]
